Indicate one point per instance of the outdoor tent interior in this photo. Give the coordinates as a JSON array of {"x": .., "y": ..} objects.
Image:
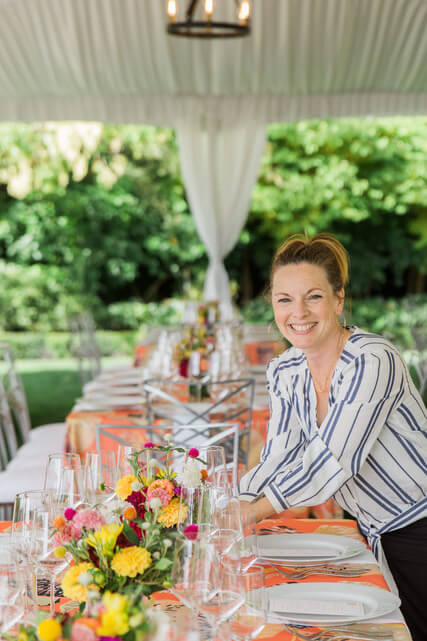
[{"x": 113, "y": 61}]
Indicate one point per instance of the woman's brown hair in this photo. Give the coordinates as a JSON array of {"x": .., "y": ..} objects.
[{"x": 323, "y": 250}]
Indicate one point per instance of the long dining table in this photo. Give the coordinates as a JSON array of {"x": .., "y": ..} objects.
[{"x": 369, "y": 574}]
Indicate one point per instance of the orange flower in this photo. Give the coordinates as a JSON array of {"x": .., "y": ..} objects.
[
  {"x": 58, "y": 523},
  {"x": 90, "y": 623},
  {"x": 130, "y": 513},
  {"x": 164, "y": 484},
  {"x": 204, "y": 475}
]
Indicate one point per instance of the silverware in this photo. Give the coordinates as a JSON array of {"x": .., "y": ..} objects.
[
  {"x": 302, "y": 573},
  {"x": 339, "y": 634}
]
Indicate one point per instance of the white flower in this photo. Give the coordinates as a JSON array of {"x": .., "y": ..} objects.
[
  {"x": 190, "y": 476},
  {"x": 85, "y": 579},
  {"x": 167, "y": 543},
  {"x": 155, "y": 504},
  {"x": 145, "y": 525},
  {"x": 135, "y": 486},
  {"x": 156, "y": 555},
  {"x": 168, "y": 437}
]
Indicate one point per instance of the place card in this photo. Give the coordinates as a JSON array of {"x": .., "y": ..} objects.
[{"x": 314, "y": 606}]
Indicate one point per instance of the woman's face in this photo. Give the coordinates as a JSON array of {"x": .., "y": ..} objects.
[{"x": 305, "y": 307}]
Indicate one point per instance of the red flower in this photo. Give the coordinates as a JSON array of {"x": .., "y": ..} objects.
[
  {"x": 69, "y": 513},
  {"x": 191, "y": 532},
  {"x": 193, "y": 453},
  {"x": 149, "y": 444}
]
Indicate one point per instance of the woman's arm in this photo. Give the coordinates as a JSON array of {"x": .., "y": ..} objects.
[
  {"x": 369, "y": 391},
  {"x": 285, "y": 440}
]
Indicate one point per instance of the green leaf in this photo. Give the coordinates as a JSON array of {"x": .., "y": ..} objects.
[
  {"x": 163, "y": 564},
  {"x": 130, "y": 534}
]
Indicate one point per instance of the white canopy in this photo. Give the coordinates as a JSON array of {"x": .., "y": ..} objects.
[{"x": 112, "y": 60}]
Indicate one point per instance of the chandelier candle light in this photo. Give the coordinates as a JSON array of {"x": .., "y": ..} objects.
[{"x": 206, "y": 25}]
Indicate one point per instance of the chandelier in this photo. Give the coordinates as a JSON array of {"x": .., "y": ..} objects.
[{"x": 205, "y": 25}]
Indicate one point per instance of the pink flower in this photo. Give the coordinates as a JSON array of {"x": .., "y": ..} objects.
[
  {"x": 69, "y": 513},
  {"x": 191, "y": 532},
  {"x": 65, "y": 535},
  {"x": 193, "y": 453},
  {"x": 81, "y": 632},
  {"x": 149, "y": 444},
  {"x": 159, "y": 493},
  {"x": 90, "y": 519}
]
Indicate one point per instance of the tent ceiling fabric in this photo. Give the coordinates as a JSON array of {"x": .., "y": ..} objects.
[{"x": 112, "y": 60}]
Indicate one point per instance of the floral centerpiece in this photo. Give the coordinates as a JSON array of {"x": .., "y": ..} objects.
[
  {"x": 111, "y": 617},
  {"x": 198, "y": 340},
  {"x": 128, "y": 542}
]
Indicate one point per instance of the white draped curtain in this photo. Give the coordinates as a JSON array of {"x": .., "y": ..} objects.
[{"x": 219, "y": 164}]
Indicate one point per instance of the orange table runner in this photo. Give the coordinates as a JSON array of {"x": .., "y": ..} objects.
[{"x": 275, "y": 632}]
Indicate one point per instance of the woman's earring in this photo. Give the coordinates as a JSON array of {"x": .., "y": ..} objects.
[{"x": 344, "y": 323}]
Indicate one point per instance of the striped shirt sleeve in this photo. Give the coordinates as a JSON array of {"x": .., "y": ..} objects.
[{"x": 284, "y": 445}]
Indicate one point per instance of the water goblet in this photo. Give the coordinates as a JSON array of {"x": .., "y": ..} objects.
[
  {"x": 100, "y": 475},
  {"x": 220, "y": 605},
  {"x": 250, "y": 618}
]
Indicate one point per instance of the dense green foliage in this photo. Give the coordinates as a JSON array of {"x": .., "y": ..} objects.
[{"x": 96, "y": 216}]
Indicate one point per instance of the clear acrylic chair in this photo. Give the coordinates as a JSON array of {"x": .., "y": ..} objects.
[{"x": 190, "y": 401}]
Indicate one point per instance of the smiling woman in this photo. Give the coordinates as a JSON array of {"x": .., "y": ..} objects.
[{"x": 346, "y": 420}]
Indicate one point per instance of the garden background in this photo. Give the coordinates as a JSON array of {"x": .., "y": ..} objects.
[{"x": 95, "y": 216}]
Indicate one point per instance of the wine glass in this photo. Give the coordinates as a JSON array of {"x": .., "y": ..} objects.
[
  {"x": 245, "y": 550},
  {"x": 195, "y": 511},
  {"x": 42, "y": 544},
  {"x": 250, "y": 618},
  {"x": 228, "y": 526},
  {"x": 100, "y": 475},
  {"x": 56, "y": 464},
  {"x": 25, "y": 507},
  {"x": 220, "y": 605},
  {"x": 194, "y": 571},
  {"x": 213, "y": 457}
]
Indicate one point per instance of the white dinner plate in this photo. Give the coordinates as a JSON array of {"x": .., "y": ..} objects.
[
  {"x": 298, "y": 549},
  {"x": 328, "y": 602}
]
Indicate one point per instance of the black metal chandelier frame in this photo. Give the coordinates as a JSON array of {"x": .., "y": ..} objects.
[{"x": 190, "y": 28}]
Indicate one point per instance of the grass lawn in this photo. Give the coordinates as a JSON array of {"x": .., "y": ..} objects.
[{"x": 52, "y": 386}]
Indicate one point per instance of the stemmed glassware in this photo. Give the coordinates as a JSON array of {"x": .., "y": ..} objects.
[
  {"x": 27, "y": 511},
  {"x": 194, "y": 572},
  {"x": 219, "y": 605},
  {"x": 11, "y": 585},
  {"x": 100, "y": 475},
  {"x": 250, "y": 618},
  {"x": 64, "y": 477}
]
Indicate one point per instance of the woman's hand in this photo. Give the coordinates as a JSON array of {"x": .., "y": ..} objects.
[{"x": 262, "y": 508}]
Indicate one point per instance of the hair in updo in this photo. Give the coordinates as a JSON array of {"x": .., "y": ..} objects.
[{"x": 323, "y": 250}]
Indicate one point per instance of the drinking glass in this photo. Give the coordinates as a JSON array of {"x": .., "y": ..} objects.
[
  {"x": 196, "y": 507},
  {"x": 194, "y": 572},
  {"x": 26, "y": 505},
  {"x": 249, "y": 619},
  {"x": 123, "y": 454},
  {"x": 56, "y": 464},
  {"x": 42, "y": 544},
  {"x": 100, "y": 475},
  {"x": 220, "y": 605},
  {"x": 213, "y": 457},
  {"x": 245, "y": 551}
]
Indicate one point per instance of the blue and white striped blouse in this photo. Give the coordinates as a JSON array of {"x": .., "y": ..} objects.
[{"x": 370, "y": 451}]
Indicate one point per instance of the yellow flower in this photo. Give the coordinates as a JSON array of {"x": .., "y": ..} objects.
[
  {"x": 114, "y": 620},
  {"x": 106, "y": 535},
  {"x": 131, "y": 561},
  {"x": 113, "y": 623},
  {"x": 169, "y": 515},
  {"x": 115, "y": 601},
  {"x": 49, "y": 630},
  {"x": 71, "y": 587},
  {"x": 123, "y": 487}
]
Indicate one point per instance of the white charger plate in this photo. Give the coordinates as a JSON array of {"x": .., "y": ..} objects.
[
  {"x": 297, "y": 549},
  {"x": 373, "y": 601}
]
